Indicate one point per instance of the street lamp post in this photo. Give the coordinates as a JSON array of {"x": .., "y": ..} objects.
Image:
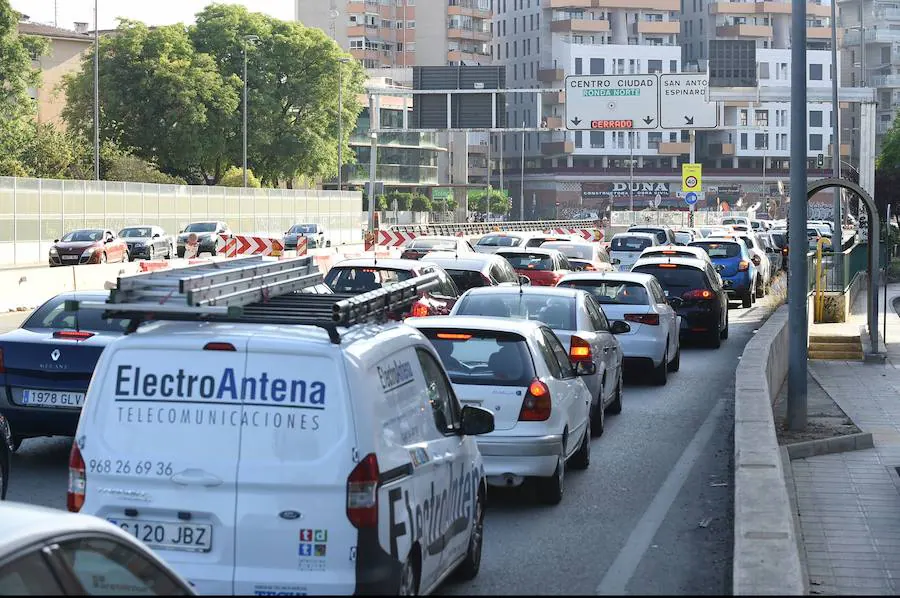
[
  {"x": 522, "y": 176},
  {"x": 342, "y": 62},
  {"x": 247, "y": 38},
  {"x": 631, "y": 173},
  {"x": 96, "y": 95}
]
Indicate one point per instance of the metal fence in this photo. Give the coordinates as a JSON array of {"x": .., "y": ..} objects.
[
  {"x": 34, "y": 212},
  {"x": 668, "y": 218},
  {"x": 838, "y": 275}
]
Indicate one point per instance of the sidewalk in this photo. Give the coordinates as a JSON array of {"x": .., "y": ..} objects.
[{"x": 849, "y": 503}]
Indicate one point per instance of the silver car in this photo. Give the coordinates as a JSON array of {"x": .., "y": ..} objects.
[
  {"x": 579, "y": 323},
  {"x": 313, "y": 233}
]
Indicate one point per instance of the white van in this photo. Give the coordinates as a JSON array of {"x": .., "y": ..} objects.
[
  {"x": 256, "y": 456},
  {"x": 625, "y": 248}
]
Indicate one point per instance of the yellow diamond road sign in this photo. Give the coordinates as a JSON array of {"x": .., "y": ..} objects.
[{"x": 691, "y": 177}]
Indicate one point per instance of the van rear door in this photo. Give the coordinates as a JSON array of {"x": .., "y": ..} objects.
[
  {"x": 293, "y": 535},
  {"x": 160, "y": 442}
]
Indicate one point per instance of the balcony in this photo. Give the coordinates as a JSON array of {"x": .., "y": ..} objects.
[
  {"x": 555, "y": 148},
  {"x": 551, "y": 75},
  {"x": 744, "y": 31},
  {"x": 821, "y": 33},
  {"x": 579, "y": 25},
  {"x": 875, "y": 36},
  {"x": 478, "y": 149},
  {"x": 672, "y": 5},
  {"x": 457, "y": 55},
  {"x": 845, "y": 149},
  {"x": 463, "y": 7},
  {"x": 469, "y": 34},
  {"x": 770, "y": 8},
  {"x": 886, "y": 81},
  {"x": 553, "y": 98},
  {"x": 669, "y": 148},
  {"x": 887, "y": 14},
  {"x": 657, "y": 27},
  {"x": 570, "y": 3},
  {"x": 721, "y": 149},
  {"x": 883, "y": 127},
  {"x": 554, "y": 122}
]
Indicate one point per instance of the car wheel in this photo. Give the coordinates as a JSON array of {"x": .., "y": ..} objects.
[
  {"x": 597, "y": 415},
  {"x": 715, "y": 339},
  {"x": 102, "y": 258},
  {"x": 468, "y": 569},
  {"x": 550, "y": 490},
  {"x": 616, "y": 406},
  {"x": 16, "y": 442},
  {"x": 675, "y": 364},
  {"x": 409, "y": 584},
  {"x": 760, "y": 290},
  {"x": 661, "y": 372},
  {"x": 724, "y": 334},
  {"x": 747, "y": 299},
  {"x": 4, "y": 469},
  {"x": 582, "y": 457}
]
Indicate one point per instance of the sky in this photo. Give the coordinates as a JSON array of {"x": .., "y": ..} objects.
[{"x": 154, "y": 12}]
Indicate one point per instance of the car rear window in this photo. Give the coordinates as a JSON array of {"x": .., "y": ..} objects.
[
  {"x": 660, "y": 234},
  {"x": 432, "y": 244},
  {"x": 53, "y": 315},
  {"x": 583, "y": 252},
  {"x": 612, "y": 291},
  {"x": 719, "y": 250},
  {"x": 483, "y": 357},
  {"x": 668, "y": 252},
  {"x": 676, "y": 279},
  {"x": 556, "y": 312},
  {"x": 361, "y": 280},
  {"x": 467, "y": 279},
  {"x": 683, "y": 237},
  {"x": 529, "y": 261},
  {"x": 779, "y": 240},
  {"x": 630, "y": 244},
  {"x": 499, "y": 241}
]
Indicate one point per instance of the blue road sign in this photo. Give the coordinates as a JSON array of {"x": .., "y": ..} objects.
[{"x": 690, "y": 198}]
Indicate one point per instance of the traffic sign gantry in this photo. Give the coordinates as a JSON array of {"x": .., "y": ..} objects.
[
  {"x": 683, "y": 102},
  {"x": 612, "y": 102},
  {"x": 691, "y": 177}
]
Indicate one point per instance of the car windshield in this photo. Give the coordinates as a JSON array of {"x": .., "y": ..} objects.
[
  {"x": 660, "y": 234},
  {"x": 499, "y": 241},
  {"x": 303, "y": 228},
  {"x": 529, "y": 261},
  {"x": 200, "y": 227},
  {"x": 630, "y": 244},
  {"x": 719, "y": 250},
  {"x": 52, "y": 314},
  {"x": 676, "y": 279},
  {"x": 556, "y": 312},
  {"x": 612, "y": 291},
  {"x": 467, "y": 279},
  {"x": 77, "y": 236},
  {"x": 131, "y": 233},
  {"x": 683, "y": 237},
  {"x": 432, "y": 244},
  {"x": 779, "y": 240},
  {"x": 483, "y": 357},
  {"x": 572, "y": 250},
  {"x": 362, "y": 279}
]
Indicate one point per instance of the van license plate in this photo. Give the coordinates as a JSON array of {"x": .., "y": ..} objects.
[
  {"x": 170, "y": 536},
  {"x": 52, "y": 398}
]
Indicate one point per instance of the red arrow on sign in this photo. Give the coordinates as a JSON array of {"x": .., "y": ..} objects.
[{"x": 243, "y": 245}]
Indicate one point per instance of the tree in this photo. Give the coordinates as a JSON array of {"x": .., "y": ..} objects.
[
  {"x": 47, "y": 152},
  {"x": 420, "y": 203},
  {"x": 499, "y": 202},
  {"x": 292, "y": 78},
  {"x": 131, "y": 168},
  {"x": 889, "y": 158},
  {"x": 161, "y": 98},
  {"x": 234, "y": 177}
]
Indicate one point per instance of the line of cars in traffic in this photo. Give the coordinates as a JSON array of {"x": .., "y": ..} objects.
[{"x": 535, "y": 330}]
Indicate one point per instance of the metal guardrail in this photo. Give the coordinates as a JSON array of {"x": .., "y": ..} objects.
[{"x": 475, "y": 228}]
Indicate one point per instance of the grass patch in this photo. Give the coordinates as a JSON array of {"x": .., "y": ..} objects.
[{"x": 778, "y": 292}]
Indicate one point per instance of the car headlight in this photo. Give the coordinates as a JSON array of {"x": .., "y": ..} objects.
[
  {"x": 89, "y": 251},
  {"x": 53, "y": 251}
]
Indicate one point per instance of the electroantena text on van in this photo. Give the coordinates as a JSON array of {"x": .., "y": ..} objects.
[{"x": 254, "y": 289}]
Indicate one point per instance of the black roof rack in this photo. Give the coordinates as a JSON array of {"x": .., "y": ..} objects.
[{"x": 253, "y": 289}]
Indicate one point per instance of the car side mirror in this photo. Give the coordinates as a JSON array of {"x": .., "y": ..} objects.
[
  {"x": 619, "y": 327},
  {"x": 720, "y": 267},
  {"x": 524, "y": 280},
  {"x": 756, "y": 260},
  {"x": 584, "y": 368},
  {"x": 156, "y": 235},
  {"x": 615, "y": 261},
  {"x": 674, "y": 302},
  {"x": 475, "y": 420},
  {"x": 56, "y": 240}
]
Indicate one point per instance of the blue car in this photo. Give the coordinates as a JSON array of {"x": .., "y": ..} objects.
[
  {"x": 46, "y": 365},
  {"x": 735, "y": 266}
]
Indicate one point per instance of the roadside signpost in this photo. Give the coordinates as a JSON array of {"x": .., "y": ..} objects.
[
  {"x": 683, "y": 102},
  {"x": 612, "y": 102}
]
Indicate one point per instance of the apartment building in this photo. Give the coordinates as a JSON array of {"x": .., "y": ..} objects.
[{"x": 405, "y": 33}]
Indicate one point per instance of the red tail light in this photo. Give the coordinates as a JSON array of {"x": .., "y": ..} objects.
[
  {"x": 362, "y": 493},
  {"x": 589, "y": 268},
  {"x": 219, "y": 347},
  {"x": 651, "y": 319},
  {"x": 2, "y": 367},
  {"x": 78, "y": 335},
  {"x": 784, "y": 250},
  {"x": 580, "y": 349},
  {"x": 420, "y": 310},
  {"x": 77, "y": 480},
  {"x": 698, "y": 294},
  {"x": 536, "y": 406},
  {"x": 744, "y": 265}
]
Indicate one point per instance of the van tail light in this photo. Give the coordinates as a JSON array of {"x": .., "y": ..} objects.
[
  {"x": 362, "y": 493},
  {"x": 219, "y": 347},
  {"x": 78, "y": 335},
  {"x": 698, "y": 294},
  {"x": 580, "y": 349},
  {"x": 536, "y": 406},
  {"x": 77, "y": 480},
  {"x": 744, "y": 265},
  {"x": 2, "y": 367},
  {"x": 651, "y": 319},
  {"x": 420, "y": 310}
]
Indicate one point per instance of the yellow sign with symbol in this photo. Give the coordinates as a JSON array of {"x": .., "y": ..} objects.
[{"x": 691, "y": 177}]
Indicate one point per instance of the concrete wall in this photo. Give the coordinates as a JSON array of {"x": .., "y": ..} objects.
[
  {"x": 26, "y": 288},
  {"x": 766, "y": 550}
]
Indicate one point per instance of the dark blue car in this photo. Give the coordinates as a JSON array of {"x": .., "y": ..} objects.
[
  {"x": 735, "y": 267},
  {"x": 46, "y": 365}
]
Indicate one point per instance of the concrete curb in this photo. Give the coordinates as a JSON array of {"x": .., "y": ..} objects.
[
  {"x": 766, "y": 549},
  {"x": 795, "y": 513},
  {"x": 826, "y": 446}
]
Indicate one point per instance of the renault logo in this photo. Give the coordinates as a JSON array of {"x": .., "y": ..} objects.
[{"x": 54, "y": 355}]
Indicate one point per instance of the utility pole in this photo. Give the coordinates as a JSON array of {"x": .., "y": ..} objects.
[
  {"x": 837, "y": 240},
  {"x": 522, "y": 197},
  {"x": 374, "y": 123},
  {"x": 341, "y": 64},
  {"x": 797, "y": 287},
  {"x": 247, "y": 38},
  {"x": 96, "y": 94},
  {"x": 631, "y": 173}
]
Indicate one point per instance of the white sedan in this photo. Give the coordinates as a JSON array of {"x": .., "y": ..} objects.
[
  {"x": 519, "y": 370},
  {"x": 653, "y": 341}
]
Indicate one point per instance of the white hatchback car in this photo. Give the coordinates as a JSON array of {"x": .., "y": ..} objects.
[
  {"x": 624, "y": 248},
  {"x": 675, "y": 251},
  {"x": 520, "y": 371},
  {"x": 653, "y": 341}
]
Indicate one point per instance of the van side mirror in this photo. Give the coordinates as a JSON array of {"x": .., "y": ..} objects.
[
  {"x": 619, "y": 327},
  {"x": 476, "y": 420},
  {"x": 584, "y": 368}
]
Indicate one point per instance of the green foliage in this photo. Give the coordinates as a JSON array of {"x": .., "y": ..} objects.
[
  {"x": 420, "y": 203},
  {"x": 134, "y": 169},
  {"x": 499, "y": 202},
  {"x": 889, "y": 158},
  {"x": 47, "y": 152},
  {"x": 234, "y": 177}
]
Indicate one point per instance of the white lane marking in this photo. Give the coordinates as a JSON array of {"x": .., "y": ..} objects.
[{"x": 622, "y": 569}]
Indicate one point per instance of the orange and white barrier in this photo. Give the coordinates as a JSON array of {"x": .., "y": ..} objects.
[
  {"x": 234, "y": 245},
  {"x": 397, "y": 235}
]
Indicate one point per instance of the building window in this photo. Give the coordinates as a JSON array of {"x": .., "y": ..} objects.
[
  {"x": 815, "y": 118},
  {"x": 578, "y": 66},
  {"x": 742, "y": 118},
  {"x": 654, "y": 138},
  {"x": 654, "y": 66},
  {"x": 762, "y": 118},
  {"x": 673, "y": 66},
  {"x": 815, "y": 72},
  {"x": 410, "y": 24},
  {"x": 763, "y": 70},
  {"x": 598, "y": 139},
  {"x": 578, "y": 140},
  {"x": 598, "y": 66},
  {"x": 743, "y": 141},
  {"x": 815, "y": 143},
  {"x": 761, "y": 141}
]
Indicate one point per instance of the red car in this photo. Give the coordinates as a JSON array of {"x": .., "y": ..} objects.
[
  {"x": 88, "y": 246},
  {"x": 543, "y": 267},
  {"x": 355, "y": 276}
]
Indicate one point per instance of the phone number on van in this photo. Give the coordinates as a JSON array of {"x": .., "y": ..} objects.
[{"x": 158, "y": 468}]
